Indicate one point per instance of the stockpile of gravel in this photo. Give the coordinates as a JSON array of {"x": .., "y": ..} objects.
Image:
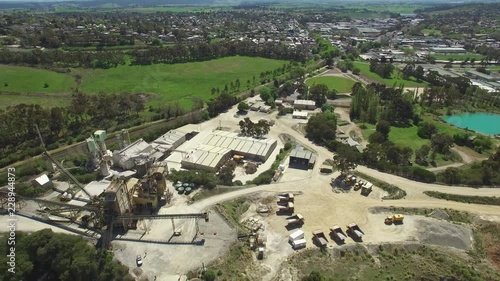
[{"x": 444, "y": 234}]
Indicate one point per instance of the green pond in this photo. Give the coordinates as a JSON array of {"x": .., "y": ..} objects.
[{"x": 485, "y": 123}]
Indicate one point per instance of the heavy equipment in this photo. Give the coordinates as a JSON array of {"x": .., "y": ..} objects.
[{"x": 395, "y": 219}]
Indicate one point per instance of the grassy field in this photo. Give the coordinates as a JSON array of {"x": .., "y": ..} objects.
[
  {"x": 24, "y": 80},
  {"x": 342, "y": 85},
  {"x": 459, "y": 57},
  {"x": 405, "y": 136},
  {"x": 44, "y": 101},
  {"x": 408, "y": 137},
  {"x": 177, "y": 82},
  {"x": 365, "y": 70}
]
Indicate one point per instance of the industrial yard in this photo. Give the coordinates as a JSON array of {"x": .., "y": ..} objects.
[{"x": 142, "y": 213}]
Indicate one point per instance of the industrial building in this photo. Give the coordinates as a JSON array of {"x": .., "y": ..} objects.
[
  {"x": 304, "y": 104},
  {"x": 302, "y": 159},
  {"x": 220, "y": 146},
  {"x": 299, "y": 114},
  {"x": 172, "y": 139},
  {"x": 446, "y": 50},
  {"x": 43, "y": 181},
  {"x": 125, "y": 158}
]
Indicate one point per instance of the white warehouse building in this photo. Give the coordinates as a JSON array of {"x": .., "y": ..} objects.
[{"x": 220, "y": 146}]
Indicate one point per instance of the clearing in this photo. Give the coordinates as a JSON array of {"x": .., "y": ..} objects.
[{"x": 342, "y": 85}]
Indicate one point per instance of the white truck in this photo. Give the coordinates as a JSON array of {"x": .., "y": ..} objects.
[{"x": 300, "y": 243}]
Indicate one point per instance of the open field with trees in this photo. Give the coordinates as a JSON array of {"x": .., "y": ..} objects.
[
  {"x": 178, "y": 82},
  {"x": 395, "y": 79},
  {"x": 19, "y": 79},
  {"x": 340, "y": 84}
]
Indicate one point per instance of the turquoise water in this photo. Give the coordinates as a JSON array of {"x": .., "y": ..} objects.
[{"x": 485, "y": 123}]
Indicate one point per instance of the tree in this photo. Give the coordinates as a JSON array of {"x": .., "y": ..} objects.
[
  {"x": 346, "y": 158},
  {"x": 226, "y": 173},
  {"x": 421, "y": 154},
  {"x": 426, "y": 130},
  {"x": 419, "y": 73},
  {"x": 384, "y": 128},
  {"x": 321, "y": 127},
  {"x": 318, "y": 93},
  {"x": 243, "y": 106},
  {"x": 209, "y": 275},
  {"x": 452, "y": 175},
  {"x": 441, "y": 143}
]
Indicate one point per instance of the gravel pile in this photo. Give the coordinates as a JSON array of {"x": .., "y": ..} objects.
[{"x": 444, "y": 234}]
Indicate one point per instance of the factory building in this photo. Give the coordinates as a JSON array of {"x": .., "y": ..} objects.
[
  {"x": 304, "y": 104},
  {"x": 126, "y": 158},
  {"x": 219, "y": 146},
  {"x": 172, "y": 139}
]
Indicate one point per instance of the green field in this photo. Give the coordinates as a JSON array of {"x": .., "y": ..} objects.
[
  {"x": 177, "y": 82},
  {"x": 459, "y": 57},
  {"x": 32, "y": 80},
  {"x": 404, "y": 136},
  {"x": 365, "y": 70},
  {"x": 44, "y": 101},
  {"x": 342, "y": 85}
]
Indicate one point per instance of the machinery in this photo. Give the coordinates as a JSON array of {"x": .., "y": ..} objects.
[
  {"x": 337, "y": 233},
  {"x": 285, "y": 207},
  {"x": 354, "y": 231},
  {"x": 295, "y": 220},
  {"x": 120, "y": 206},
  {"x": 285, "y": 197},
  {"x": 395, "y": 219},
  {"x": 320, "y": 238}
]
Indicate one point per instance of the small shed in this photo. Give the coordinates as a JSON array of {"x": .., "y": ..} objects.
[{"x": 42, "y": 181}]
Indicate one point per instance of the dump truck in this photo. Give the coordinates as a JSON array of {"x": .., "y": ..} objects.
[
  {"x": 354, "y": 230},
  {"x": 337, "y": 233},
  {"x": 396, "y": 219},
  {"x": 285, "y": 197},
  {"x": 285, "y": 207},
  {"x": 295, "y": 219},
  {"x": 320, "y": 238}
]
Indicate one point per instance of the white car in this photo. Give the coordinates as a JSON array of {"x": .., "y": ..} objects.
[{"x": 138, "y": 260}]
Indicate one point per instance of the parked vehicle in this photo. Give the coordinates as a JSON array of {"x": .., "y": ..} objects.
[
  {"x": 285, "y": 197},
  {"x": 285, "y": 207},
  {"x": 320, "y": 238},
  {"x": 138, "y": 260},
  {"x": 337, "y": 233},
  {"x": 354, "y": 230},
  {"x": 296, "y": 219}
]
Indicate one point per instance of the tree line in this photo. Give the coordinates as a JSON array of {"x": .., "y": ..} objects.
[
  {"x": 179, "y": 53},
  {"x": 45, "y": 255},
  {"x": 59, "y": 125}
]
